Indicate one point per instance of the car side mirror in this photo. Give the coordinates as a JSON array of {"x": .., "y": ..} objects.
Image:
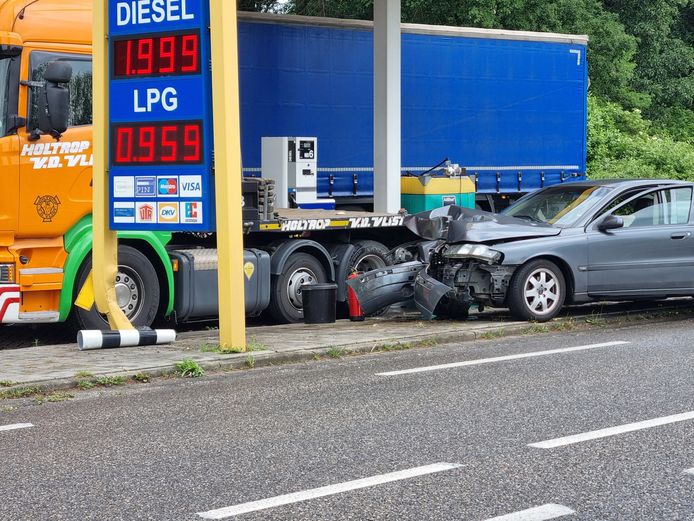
[
  {"x": 610, "y": 222},
  {"x": 54, "y": 99}
]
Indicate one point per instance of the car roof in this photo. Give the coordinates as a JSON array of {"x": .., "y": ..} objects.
[{"x": 627, "y": 183}]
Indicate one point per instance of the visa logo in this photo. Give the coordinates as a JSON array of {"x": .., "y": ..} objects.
[{"x": 189, "y": 187}]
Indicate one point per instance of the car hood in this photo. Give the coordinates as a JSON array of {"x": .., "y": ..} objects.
[{"x": 456, "y": 224}]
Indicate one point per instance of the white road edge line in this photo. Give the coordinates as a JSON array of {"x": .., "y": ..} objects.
[
  {"x": 612, "y": 431},
  {"x": 15, "y": 426},
  {"x": 502, "y": 358},
  {"x": 689, "y": 471},
  {"x": 548, "y": 511},
  {"x": 314, "y": 493}
]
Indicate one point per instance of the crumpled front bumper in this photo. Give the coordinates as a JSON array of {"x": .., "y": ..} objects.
[
  {"x": 427, "y": 293},
  {"x": 383, "y": 287}
]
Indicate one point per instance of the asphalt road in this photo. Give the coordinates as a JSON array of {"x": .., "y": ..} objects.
[{"x": 461, "y": 440}]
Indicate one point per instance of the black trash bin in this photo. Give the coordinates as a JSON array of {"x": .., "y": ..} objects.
[{"x": 319, "y": 303}]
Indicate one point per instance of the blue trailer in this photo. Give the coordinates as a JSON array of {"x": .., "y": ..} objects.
[{"x": 509, "y": 106}]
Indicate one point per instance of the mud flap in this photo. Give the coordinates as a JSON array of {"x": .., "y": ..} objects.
[
  {"x": 383, "y": 287},
  {"x": 427, "y": 294}
]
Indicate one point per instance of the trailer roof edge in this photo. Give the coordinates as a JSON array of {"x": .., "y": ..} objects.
[{"x": 441, "y": 30}]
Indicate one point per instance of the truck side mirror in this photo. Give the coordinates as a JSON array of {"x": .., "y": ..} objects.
[
  {"x": 54, "y": 99},
  {"x": 610, "y": 222}
]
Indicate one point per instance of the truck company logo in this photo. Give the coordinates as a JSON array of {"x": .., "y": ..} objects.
[
  {"x": 167, "y": 186},
  {"x": 301, "y": 225},
  {"x": 123, "y": 213},
  {"x": 168, "y": 213},
  {"x": 145, "y": 186},
  {"x": 47, "y": 207},
  {"x": 58, "y": 155},
  {"x": 376, "y": 222},
  {"x": 192, "y": 212},
  {"x": 145, "y": 212},
  {"x": 191, "y": 185}
]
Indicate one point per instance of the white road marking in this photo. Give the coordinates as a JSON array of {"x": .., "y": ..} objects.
[
  {"x": 502, "y": 358},
  {"x": 314, "y": 493},
  {"x": 548, "y": 511},
  {"x": 612, "y": 431},
  {"x": 15, "y": 426},
  {"x": 689, "y": 471}
]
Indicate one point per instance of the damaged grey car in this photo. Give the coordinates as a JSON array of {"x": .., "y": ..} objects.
[{"x": 566, "y": 244}]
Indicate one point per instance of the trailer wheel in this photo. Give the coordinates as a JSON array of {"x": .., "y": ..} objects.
[
  {"x": 137, "y": 291},
  {"x": 286, "y": 302},
  {"x": 367, "y": 256}
]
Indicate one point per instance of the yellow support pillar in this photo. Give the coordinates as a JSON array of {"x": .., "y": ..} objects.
[
  {"x": 105, "y": 242},
  {"x": 227, "y": 147}
]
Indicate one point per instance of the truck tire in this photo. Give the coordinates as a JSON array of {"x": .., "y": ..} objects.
[
  {"x": 537, "y": 291},
  {"x": 137, "y": 288},
  {"x": 367, "y": 256},
  {"x": 286, "y": 304}
]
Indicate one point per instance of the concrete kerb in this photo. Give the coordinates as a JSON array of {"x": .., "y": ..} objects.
[{"x": 238, "y": 361}]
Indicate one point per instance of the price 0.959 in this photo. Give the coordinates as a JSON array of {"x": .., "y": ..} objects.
[
  {"x": 162, "y": 143},
  {"x": 157, "y": 55}
]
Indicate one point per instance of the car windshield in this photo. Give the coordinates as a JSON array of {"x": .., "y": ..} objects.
[{"x": 561, "y": 206}]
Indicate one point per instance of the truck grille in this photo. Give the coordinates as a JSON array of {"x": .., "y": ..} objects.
[{"x": 6, "y": 274}]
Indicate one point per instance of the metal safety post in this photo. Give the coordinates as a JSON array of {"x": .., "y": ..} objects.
[
  {"x": 227, "y": 146},
  {"x": 105, "y": 242}
]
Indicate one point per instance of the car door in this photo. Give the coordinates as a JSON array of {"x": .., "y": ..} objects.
[{"x": 652, "y": 255}]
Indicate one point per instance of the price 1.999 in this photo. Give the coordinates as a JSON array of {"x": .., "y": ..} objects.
[{"x": 161, "y": 143}]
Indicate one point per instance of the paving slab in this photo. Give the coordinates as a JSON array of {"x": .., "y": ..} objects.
[{"x": 44, "y": 364}]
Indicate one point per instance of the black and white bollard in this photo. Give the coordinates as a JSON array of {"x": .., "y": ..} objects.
[{"x": 95, "y": 339}]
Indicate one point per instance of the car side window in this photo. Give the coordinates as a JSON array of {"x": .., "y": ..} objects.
[
  {"x": 80, "y": 86},
  {"x": 668, "y": 206}
]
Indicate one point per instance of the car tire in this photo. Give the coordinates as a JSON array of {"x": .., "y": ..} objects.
[
  {"x": 537, "y": 291},
  {"x": 137, "y": 288},
  {"x": 286, "y": 304},
  {"x": 367, "y": 256}
]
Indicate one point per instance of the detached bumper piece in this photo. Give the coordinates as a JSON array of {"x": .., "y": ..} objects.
[
  {"x": 427, "y": 293},
  {"x": 383, "y": 287}
]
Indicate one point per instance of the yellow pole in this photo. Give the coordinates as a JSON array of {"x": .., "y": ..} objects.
[
  {"x": 227, "y": 146},
  {"x": 105, "y": 242}
]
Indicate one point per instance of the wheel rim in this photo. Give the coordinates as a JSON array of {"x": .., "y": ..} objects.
[
  {"x": 130, "y": 292},
  {"x": 369, "y": 262},
  {"x": 299, "y": 278},
  {"x": 542, "y": 291}
]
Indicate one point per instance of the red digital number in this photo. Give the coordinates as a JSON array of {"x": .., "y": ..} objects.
[
  {"x": 168, "y": 142},
  {"x": 146, "y": 144},
  {"x": 191, "y": 142},
  {"x": 189, "y": 53},
  {"x": 144, "y": 54},
  {"x": 124, "y": 145},
  {"x": 167, "y": 55},
  {"x": 157, "y": 55}
]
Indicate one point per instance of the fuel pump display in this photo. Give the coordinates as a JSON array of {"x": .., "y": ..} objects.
[{"x": 161, "y": 118}]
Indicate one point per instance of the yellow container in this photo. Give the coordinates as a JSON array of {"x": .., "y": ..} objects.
[{"x": 423, "y": 193}]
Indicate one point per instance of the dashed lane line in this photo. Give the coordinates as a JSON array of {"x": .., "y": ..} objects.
[
  {"x": 15, "y": 426},
  {"x": 541, "y": 513},
  {"x": 502, "y": 358},
  {"x": 690, "y": 471},
  {"x": 295, "y": 497},
  {"x": 612, "y": 431}
]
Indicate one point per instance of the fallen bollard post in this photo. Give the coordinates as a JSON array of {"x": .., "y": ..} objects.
[{"x": 96, "y": 339}]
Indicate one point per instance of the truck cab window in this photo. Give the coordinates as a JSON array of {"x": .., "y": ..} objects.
[
  {"x": 80, "y": 86},
  {"x": 5, "y": 63}
]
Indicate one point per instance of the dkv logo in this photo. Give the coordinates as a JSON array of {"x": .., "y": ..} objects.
[{"x": 168, "y": 213}]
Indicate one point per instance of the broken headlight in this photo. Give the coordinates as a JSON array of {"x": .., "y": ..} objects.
[{"x": 472, "y": 251}]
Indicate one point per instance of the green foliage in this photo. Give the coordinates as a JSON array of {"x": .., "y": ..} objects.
[
  {"x": 189, "y": 368},
  {"x": 622, "y": 144}
]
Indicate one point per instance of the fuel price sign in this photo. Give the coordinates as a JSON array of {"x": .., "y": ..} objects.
[{"x": 160, "y": 157}]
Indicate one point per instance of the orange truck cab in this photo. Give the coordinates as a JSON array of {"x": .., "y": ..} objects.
[{"x": 45, "y": 193}]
